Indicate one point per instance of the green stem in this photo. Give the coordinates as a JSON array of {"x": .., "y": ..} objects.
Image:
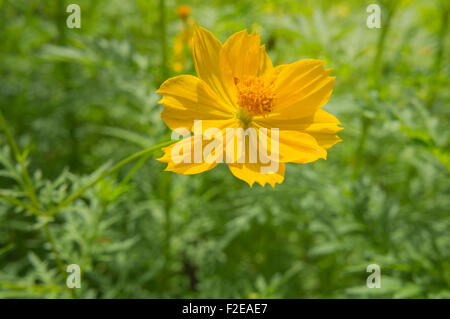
[
  {"x": 165, "y": 187},
  {"x": 88, "y": 252},
  {"x": 376, "y": 64},
  {"x": 116, "y": 167},
  {"x": 19, "y": 203},
  {"x": 134, "y": 170},
  {"x": 58, "y": 258},
  {"x": 438, "y": 57},
  {"x": 366, "y": 124},
  {"x": 375, "y": 75},
  {"x": 9, "y": 137},
  {"x": 163, "y": 38},
  {"x": 20, "y": 159}
]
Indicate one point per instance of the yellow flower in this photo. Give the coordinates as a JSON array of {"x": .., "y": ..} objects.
[
  {"x": 184, "y": 11},
  {"x": 183, "y": 40},
  {"x": 237, "y": 87}
]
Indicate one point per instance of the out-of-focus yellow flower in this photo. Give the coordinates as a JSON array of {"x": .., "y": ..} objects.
[
  {"x": 184, "y": 11},
  {"x": 183, "y": 40},
  {"x": 237, "y": 87},
  {"x": 342, "y": 10}
]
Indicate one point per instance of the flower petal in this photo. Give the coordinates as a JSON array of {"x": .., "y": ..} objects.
[
  {"x": 243, "y": 54},
  {"x": 316, "y": 121},
  {"x": 187, "y": 98},
  {"x": 326, "y": 140},
  {"x": 294, "y": 146},
  {"x": 265, "y": 63},
  {"x": 251, "y": 173},
  {"x": 206, "y": 51},
  {"x": 324, "y": 128},
  {"x": 301, "y": 89},
  {"x": 299, "y": 147},
  {"x": 180, "y": 157},
  {"x": 322, "y": 125}
]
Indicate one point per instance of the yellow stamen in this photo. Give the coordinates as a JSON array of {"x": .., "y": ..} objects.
[{"x": 255, "y": 95}]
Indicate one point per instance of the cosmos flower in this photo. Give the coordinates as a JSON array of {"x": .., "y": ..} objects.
[
  {"x": 238, "y": 87},
  {"x": 184, "y": 11},
  {"x": 183, "y": 40}
]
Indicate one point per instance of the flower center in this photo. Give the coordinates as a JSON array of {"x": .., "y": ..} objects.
[{"x": 255, "y": 95}]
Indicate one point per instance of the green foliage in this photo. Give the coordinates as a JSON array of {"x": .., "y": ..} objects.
[{"x": 78, "y": 100}]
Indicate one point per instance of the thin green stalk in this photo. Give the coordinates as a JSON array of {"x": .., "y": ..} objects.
[
  {"x": 50, "y": 239},
  {"x": 58, "y": 258},
  {"x": 65, "y": 74},
  {"x": 375, "y": 75},
  {"x": 438, "y": 57},
  {"x": 167, "y": 242},
  {"x": 376, "y": 64},
  {"x": 9, "y": 137},
  {"x": 134, "y": 170},
  {"x": 366, "y": 124},
  {"x": 20, "y": 159},
  {"x": 95, "y": 233},
  {"x": 116, "y": 167},
  {"x": 19, "y": 203},
  {"x": 167, "y": 179},
  {"x": 163, "y": 38}
]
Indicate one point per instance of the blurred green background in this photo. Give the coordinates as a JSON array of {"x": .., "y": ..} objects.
[{"x": 79, "y": 100}]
